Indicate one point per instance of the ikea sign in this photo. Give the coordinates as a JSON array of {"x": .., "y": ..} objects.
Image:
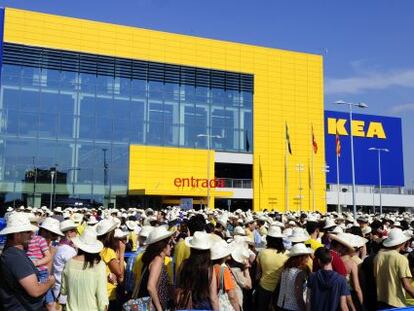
[{"x": 368, "y": 131}]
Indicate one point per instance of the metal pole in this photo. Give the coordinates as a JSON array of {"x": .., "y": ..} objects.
[
  {"x": 373, "y": 198},
  {"x": 380, "y": 181},
  {"x": 286, "y": 179},
  {"x": 313, "y": 185},
  {"x": 352, "y": 162},
  {"x": 337, "y": 183},
  {"x": 208, "y": 170},
  {"x": 52, "y": 175},
  {"x": 300, "y": 167}
]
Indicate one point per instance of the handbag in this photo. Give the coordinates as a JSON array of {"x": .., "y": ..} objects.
[
  {"x": 224, "y": 301},
  {"x": 138, "y": 304}
]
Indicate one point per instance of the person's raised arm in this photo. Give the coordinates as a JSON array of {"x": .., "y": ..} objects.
[{"x": 33, "y": 288}]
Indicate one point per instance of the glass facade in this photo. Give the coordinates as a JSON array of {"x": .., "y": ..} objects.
[{"x": 82, "y": 123}]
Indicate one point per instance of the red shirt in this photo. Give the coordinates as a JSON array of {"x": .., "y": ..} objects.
[{"x": 337, "y": 264}]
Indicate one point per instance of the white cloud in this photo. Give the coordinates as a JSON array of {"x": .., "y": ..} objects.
[
  {"x": 370, "y": 81},
  {"x": 402, "y": 108}
]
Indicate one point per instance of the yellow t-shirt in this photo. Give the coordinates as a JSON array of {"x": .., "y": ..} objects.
[
  {"x": 314, "y": 244},
  {"x": 181, "y": 252},
  {"x": 108, "y": 254},
  {"x": 410, "y": 300},
  {"x": 389, "y": 267},
  {"x": 133, "y": 237},
  {"x": 262, "y": 231},
  {"x": 271, "y": 264},
  {"x": 137, "y": 269},
  {"x": 249, "y": 234}
]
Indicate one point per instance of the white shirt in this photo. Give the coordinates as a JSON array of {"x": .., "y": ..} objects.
[{"x": 62, "y": 256}]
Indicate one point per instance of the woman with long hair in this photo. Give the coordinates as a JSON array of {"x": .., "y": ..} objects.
[
  {"x": 84, "y": 276},
  {"x": 294, "y": 275},
  {"x": 154, "y": 277},
  {"x": 112, "y": 255},
  {"x": 196, "y": 281},
  {"x": 270, "y": 262}
]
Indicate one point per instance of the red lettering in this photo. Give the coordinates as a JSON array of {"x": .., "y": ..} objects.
[{"x": 177, "y": 182}]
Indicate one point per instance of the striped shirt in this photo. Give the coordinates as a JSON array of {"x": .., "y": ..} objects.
[{"x": 37, "y": 247}]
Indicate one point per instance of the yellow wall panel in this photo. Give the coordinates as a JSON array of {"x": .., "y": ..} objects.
[{"x": 288, "y": 89}]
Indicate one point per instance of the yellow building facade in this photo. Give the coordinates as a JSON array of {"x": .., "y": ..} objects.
[{"x": 288, "y": 96}]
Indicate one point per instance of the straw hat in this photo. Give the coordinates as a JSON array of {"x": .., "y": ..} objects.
[
  {"x": 240, "y": 253},
  {"x": 145, "y": 231},
  {"x": 298, "y": 235},
  {"x": 88, "y": 241},
  {"x": 67, "y": 225},
  {"x": 200, "y": 240},
  {"x": 275, "y": 232},
  {"x": 119, "y": 234},
  {"x": 92, "y": 221},
  {"x": 52, "y": 225},
  {"x": 299, "y": 249},
  {"x": 105, "y": 226},
  {"x": 345, "y": 239},
  {"x": 239, "y": 231},
  {"x": 158, "y": 234},
  {"x": 220, "y": 249},
  {"x": 18, "y": 222},
  {"x": 329, "y": 223},
  {"x": 395, "y": 237}
]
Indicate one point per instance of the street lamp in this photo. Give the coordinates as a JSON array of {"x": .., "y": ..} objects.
[
  {"x": 351, "y": 105},
  {"x": 208, "y": 136},
  {"x": 52, "y": 176},
  {"x": 379, "y": 150}
]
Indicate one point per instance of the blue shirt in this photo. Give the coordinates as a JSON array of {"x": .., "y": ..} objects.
[{"x": 129, "y": 273}]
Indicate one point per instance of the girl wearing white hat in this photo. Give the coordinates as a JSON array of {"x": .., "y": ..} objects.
[
  {"x": 220, "y": 253},
  {"x": 65, "y": 251},
  {"x": 294, "y": 275},
  {"x": 154, "y": 277},
  {"x": 196, "y": 281},
  {"x": 84, "y": 276},
  {"x": 239, "y": 265},
  {"x": 269, "y": 262},
  {"x": 112, "y": 255}
]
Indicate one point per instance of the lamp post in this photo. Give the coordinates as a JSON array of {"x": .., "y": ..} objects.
[
  {"x": 52, "y": 176},
  {"x": 379, "y": 150},
  {"x": 208, "y": 136},
  {"x": 351, "y": 105}
]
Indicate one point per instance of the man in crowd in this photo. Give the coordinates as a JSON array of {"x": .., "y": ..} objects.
[{"x": 20, "y": 288}]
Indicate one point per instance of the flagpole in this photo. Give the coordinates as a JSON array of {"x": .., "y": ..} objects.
[
  {"x": 286, "y": 177},
  {"x": 337, "y": 182},
  {"x": 313, "y": 184}
]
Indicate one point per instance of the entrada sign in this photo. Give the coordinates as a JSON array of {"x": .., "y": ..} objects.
[
  {"x": 198, "y": 182},
  {"x": 359, "y": 128}
]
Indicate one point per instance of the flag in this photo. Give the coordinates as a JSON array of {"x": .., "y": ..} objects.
[
  {"x": 338, "y": 145},
  {"x": 288, "y": 139},
  {"x": 247, "y": 144},
  {"x": 314, "y": 144}
]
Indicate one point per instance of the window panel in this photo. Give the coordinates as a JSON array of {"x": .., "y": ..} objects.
[
  {"x": 46, "y": 151},
  {"x": 86, "y": 127},
  {"x": 103, "y": 128},
  {"x": 121, "y": 130},
  {"x": 104, "y": 106},
  {"x": 11, "y": 99},
  {"x": 138, "y": 89},
  {"x": 48, "y": 125},
  {"x": 28, "y": 124},
  {"x": 86, "y": 155},
  {"x": 49, "y": 102},
  {"x": 29, "y": 100},
  {"x": 65, "y": 125},
  {"x": 120, "y": 156},
  {"x": 12, "y": 124}
]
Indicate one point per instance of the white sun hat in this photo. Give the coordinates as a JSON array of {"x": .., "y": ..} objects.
[
  {"x": 239, "y": 231},
  {"x": 395, "y": 237},
  {"x": 346, "y": 239},
  {"x": 329, "y": 223},
  {"x": 58, "y": 209},
  {"x": 145, "y": 231},
  {"x": 131, "y": 224},
  {"x": 67, "y": 224},
  {"x": 220, "y": 249},
  {"x": 9, "y": 209},
  {"x": 105, "y": 226},
  {"x": 275, "y": 232},
  {"x": 52, "y": 225},
  {"x": 158, "y": 234},
  {"x": 299, "y": 249},
  {"x": 92, "y": 221},
  {"x": 77, "y": 218},
  {"x": 298, "y": 235},
  {"x": 88, "y": 241},
  {"x": 18, "y": 222},
  {"x": 119, "y": 234},
  {"x": 338, "y": 229},
  {"x": 240, "y": 253},
  {"x": 200, "y": 240}
]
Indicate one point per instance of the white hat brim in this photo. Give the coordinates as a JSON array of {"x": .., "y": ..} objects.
[
  {"x": 391, "y": 243},
  {"x": 92, "y": 249},
  {"x": 10, "y": 230},
  {"x": 204, "y": 246},
  {"x": 68, "y": 228},
  {"x": 226, "y": 253},
  {"x": 109, "y": 229},
  {"x": 308, "y": 252},
  {"x": 159, "y": 238},
  {"x": 53, "y": 230}
]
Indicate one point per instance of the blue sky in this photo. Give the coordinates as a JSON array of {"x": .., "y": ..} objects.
[{"x": 367, "y": 45}]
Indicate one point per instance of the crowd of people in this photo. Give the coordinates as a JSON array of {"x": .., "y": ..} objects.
[{"x": 172, "y": 259}]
